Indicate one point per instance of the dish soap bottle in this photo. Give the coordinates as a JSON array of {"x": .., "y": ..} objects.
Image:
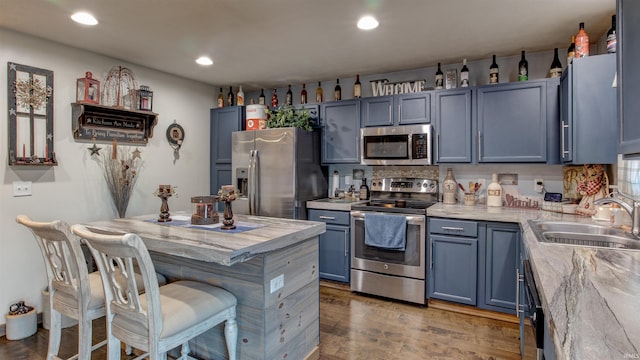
[
  {"x": 364, "y": 190},
  {"x": 494, "y": 192},
  {"x": 449, "y": 188}
]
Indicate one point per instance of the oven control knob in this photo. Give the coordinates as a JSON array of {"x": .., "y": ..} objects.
[{"x": 386, "y": 267}]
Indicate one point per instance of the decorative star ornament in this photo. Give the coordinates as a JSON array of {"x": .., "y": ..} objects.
[
  {"x": 95, "y": 150},
  {"x": 136, "y": 154}
]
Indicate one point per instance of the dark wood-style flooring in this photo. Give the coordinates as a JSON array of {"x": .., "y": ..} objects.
[{"x": 353, "y": 326}]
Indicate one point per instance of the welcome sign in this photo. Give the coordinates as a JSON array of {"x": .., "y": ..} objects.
[{"x": 384, "y": 87}]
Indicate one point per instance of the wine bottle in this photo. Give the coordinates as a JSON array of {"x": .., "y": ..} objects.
[
  {"x": 439, "y": 78},
  {"x": 582, "y": 42},
  {"x": 464, "y": 74},
  {"x": 274, "y": 99},
  {"x": 261, "y": 99},
  {"x": 337, "y": 91},
  {"x": 240, "y": 97},
  {"x": 357, "y": 88},
  {"x": 303, "y": 95},
  {"x": 556, "y": 67},
  {"x": 220, "y": 99},
  {"x": 230, "y": 97},
  {"x": 611, "y": 36},
  {"x": 523, "y": 69},
  {"x": 319, "y": 93},
  {"x": 493, "y": 72},
  {"x": 288, "y": 100},
  {"x": 364, "y": 190},
  {"x": 571, "y": 51}
]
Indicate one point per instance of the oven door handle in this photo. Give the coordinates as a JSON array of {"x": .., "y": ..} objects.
[{"x": 417, "y": 220}]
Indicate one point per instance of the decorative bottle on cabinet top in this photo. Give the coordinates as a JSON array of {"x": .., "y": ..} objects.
[
  {"x": 449, "y": 188},
  {"x": 582, "y": 42},
  {"x": 494, "y": 192}
]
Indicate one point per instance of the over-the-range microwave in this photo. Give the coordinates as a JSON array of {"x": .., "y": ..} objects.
[{"x": 396, "y": 145}]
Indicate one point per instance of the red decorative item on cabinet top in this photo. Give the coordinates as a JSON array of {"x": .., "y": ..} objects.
[{"x": 88, "y": 89}]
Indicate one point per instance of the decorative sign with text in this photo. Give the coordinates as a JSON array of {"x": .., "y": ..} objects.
[
  {"x": 384, "y": 87},
  {"x": 105, "y": 124}
]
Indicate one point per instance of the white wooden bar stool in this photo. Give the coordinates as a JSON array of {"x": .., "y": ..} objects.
[
  {"x": 165, "y": 316},
  {"x": 73, "y": 291}
]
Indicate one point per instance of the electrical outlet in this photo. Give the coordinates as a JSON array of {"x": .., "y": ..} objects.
[
  {"x": 538, "y": 185},
  {"x": 277, "y": 283},
  {"x": 22, "y": 188}
]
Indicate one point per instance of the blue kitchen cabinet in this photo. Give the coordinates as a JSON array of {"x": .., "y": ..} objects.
[
  {"x": 403, "y": 109},
  {"x": 453, "y": 260},
  {"x": 628, "y": 32},
  {"x": 340, "y": 121},
  {"x": 224, "y": 121},
  {"x": 314, "y": 113},
  {"x": 334, "y": 252},
  {"x": 499, "y": 264},
  {"x": 452, "y": 118},
  {"x": 588, "y": 115},
  {"x": 516, "y": 121}
]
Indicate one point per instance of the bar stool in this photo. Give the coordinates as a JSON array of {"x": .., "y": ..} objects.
[
  {"x": 73, "y": 291},
  {"x": 164, "y": 317}
]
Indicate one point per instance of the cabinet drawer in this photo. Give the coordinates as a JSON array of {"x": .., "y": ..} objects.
[
  {"x": 453, "y": 227},
  {"x": 329, "y": 217}
]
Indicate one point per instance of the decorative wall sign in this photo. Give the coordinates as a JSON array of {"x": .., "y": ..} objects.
[
  {"x": 175, "y": 136},
  {"x": 384, "y": 87},
  {"x": 30, "y": 100},
  {"x": 106, "y": 123}
]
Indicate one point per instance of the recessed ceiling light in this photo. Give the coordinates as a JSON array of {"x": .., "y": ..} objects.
[
  {"x": 204, "y": 60},
  {"x": 84, "y": 18},
  {"x": 367, "y": 23}
]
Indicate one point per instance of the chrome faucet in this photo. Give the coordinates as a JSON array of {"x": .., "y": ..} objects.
[{"x": 633, "y": 210}]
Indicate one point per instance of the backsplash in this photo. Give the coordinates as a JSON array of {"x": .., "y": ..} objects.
[{"x": 628, "y": 176}]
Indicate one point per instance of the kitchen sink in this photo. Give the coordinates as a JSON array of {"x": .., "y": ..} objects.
[{"x": 570, "y": 233}]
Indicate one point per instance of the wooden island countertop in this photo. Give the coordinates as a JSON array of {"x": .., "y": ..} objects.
[{"x": 271, "y": 267}]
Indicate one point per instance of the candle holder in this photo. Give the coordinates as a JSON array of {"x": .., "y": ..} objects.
[
  {"x": 164, "y": 192},
  {"x": 204, "y": 212},
  {"x": 227, "y": 194}
]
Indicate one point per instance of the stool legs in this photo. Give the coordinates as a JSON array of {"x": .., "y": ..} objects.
[
  {"x": 84, "y": 338},
  {"x": 231, "y": 337},
  {"x": 55, "y": 331}
]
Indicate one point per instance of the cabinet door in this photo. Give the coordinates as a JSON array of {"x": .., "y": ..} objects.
[
  {"x": 335, "y": 253},
  {"x": 377, "y": 111},
  {"x": 220, "y": 175},
  {"x": 414, "y": 108},
  {"x": 453, "y": 142},
  {"x": 453, "y": 268},
  {"x": 588, "y": 111},
  {"x": 341, "y": 132},
  {"x": 224, "y": 121},
  {"x": 512, "y": 122},
  {"x": 501, "y": 267},
  {"x": 628, "y": 31}
]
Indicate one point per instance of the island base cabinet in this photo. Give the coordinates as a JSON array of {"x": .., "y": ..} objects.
[{"x": 273, "y": 323}]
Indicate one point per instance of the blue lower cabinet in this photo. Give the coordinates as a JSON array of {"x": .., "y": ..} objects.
[
  {"x": 335, "y": 253},
  {"x": 453, "y": 268}
]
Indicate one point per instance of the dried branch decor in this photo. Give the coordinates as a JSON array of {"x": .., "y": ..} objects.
[{"x": 121, "y": 169}]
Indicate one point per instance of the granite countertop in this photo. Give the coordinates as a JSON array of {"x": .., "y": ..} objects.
[
  {"x": 591, "y": 296},
  {"x": 264, "y": 234},
  {"x": 334, "y": 204}
]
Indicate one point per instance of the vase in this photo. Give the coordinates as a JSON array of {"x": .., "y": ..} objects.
[{"x": 227, "y": 223}]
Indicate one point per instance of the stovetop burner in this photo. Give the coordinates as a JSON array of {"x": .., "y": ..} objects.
[{"x": 401, "y": 195}]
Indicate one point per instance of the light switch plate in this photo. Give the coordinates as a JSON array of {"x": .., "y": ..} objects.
[
  {"x": 277, "y": 283},
  {"x": 22, "y": 188}
]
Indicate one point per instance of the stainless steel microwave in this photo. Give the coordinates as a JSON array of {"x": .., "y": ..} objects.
[{"x": 396, "y": 145}]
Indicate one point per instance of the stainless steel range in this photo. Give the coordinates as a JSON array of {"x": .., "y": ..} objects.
[{"x": 388, "y": 239}]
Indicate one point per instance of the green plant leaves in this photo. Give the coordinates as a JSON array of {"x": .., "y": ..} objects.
[{"x": 289, "y": 116}]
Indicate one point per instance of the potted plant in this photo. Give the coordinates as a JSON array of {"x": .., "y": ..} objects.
[{"x": 289, "y": 116}]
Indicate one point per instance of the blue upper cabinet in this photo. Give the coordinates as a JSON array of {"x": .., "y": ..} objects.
[
  {"x": 403, "y": 109},
  {"x": 224, "y": 121},
  {"x": 340, "y": 122},
  {"x": 513, "y": 121},
  {"x": 453, "y": 140},
  {"x": 588, "y": 111},
  {"x": 628, "y": 31}
]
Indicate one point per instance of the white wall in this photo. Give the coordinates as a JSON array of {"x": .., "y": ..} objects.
[{"x": 75, "y": 190}]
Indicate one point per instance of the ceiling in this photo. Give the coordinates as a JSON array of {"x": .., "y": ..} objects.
[{"x": 271, "y": 43}]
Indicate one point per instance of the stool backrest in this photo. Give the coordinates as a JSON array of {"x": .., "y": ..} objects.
[
  {"x": 64, "y": 261},
  {"x": 117, "y": 257}
]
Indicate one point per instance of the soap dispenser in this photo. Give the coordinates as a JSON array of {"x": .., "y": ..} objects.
[{"x": 494, "y": 192}]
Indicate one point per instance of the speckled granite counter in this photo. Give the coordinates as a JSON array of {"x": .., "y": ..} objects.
[{"x": 591, "y": 296}]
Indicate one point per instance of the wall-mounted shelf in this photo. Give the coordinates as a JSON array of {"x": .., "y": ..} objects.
[{"x": 99, "y": 123}]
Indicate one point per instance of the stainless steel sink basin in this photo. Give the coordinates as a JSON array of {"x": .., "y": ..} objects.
[{"x": 570, "y": 233}]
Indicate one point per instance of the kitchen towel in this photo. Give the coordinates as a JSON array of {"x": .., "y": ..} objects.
[{"x": 385, "y": 231}]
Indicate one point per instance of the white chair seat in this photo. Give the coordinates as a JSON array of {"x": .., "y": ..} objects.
[{"x": 184, "y": 304}]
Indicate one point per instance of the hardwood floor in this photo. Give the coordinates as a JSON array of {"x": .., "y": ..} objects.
[{"x": 355, "y": 327}]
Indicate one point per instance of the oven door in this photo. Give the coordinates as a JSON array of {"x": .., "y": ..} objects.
[
  {"x": 534, "y": 308},
  {"x": 407, "y": 263}
]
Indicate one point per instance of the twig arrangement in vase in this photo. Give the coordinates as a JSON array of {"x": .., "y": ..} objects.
[{"x": 121, "y": 170}]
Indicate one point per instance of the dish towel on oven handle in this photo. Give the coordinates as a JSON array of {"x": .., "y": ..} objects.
[{"x": 385, "y": 231}]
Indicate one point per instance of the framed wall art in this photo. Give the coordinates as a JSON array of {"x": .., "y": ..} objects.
[{"x": 30, "y": 106}]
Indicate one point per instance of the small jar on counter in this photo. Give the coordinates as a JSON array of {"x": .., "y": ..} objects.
[{"x": 616, "y": 215}]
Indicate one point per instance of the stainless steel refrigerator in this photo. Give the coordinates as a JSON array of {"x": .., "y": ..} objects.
[{"x": 276, "y": 171}]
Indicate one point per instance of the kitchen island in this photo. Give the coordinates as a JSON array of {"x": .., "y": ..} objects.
[
  {"x": 591, "y": 296},
  {"x": 269, "y": 264}
]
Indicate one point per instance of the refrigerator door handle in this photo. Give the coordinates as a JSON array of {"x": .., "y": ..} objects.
[
  {"x": 256, "y": 182},
  {"x": 251, "y": 185}
]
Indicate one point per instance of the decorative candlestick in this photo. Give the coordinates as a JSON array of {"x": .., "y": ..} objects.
[
  {"x": 227, "y": 194},
  {"x": 164, "y": 192}
]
